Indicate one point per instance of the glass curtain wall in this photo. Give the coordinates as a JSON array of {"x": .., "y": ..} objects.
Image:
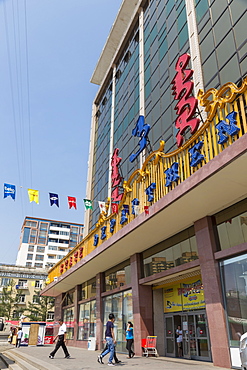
[
  {"x": 165, "y": 38},
  {"x": 222, "y": 37},
  {"x": 120, "y": 305},
  {"x": 101, "y": 151},
  {"x": 127, "y": 102}
]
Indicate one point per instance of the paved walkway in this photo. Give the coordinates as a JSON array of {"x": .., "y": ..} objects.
[{"x": 37, "y": 358}]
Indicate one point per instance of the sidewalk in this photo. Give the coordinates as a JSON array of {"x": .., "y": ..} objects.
[{"x": 33, "y": 357}]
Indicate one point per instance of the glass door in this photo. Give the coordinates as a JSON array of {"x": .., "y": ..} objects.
[
  {"x": 169, "y": 336},
  {"x": 186, "y": 336},
  {"x": 202, "y": 337}
]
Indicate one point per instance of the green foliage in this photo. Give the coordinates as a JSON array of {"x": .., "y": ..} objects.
[
  {"x": 38, "y": 310},
  {"x": 9, "y": 301}
]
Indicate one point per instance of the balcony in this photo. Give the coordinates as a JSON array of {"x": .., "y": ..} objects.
[
  {"x": 57, "y": 228},
  {"x": 21, "y": 286},
  {"x": 59, "y": 236}
]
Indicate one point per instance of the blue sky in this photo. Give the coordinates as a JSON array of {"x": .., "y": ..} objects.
[{"x": 48, "y": 52}]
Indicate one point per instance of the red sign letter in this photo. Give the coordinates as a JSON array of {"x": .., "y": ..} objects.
[{"x": 186, "y": 107}]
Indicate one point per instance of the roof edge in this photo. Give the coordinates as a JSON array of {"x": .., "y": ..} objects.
[{"x": 117, "y": 33}]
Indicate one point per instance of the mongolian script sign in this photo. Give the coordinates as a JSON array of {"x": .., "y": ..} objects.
[
  {"x": 186, "y": 106},
  {"x": 116, "y": 178}
]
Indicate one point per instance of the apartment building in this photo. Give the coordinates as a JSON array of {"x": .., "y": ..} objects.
[
  {"x": 44, "y": 242},
  {"x": 23, "y": 283}
]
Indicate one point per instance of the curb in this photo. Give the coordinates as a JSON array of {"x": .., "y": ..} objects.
[{"x": 28, "y": 362}]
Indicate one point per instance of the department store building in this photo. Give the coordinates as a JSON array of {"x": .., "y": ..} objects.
[{"x": 168, "y": 156}]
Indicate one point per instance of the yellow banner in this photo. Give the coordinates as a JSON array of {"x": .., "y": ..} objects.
[
  {"x": 184, "y": 296},
  {"x": 33, "y": 195}
]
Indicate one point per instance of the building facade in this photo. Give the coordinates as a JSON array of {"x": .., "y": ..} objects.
[
  {"x": 44, "y": 242},
  {"x": 23, "y": 283},
  {"x": 167, "y": 154}
]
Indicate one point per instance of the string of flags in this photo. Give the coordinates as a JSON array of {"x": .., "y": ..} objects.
[{"x": 10, "y": 191}]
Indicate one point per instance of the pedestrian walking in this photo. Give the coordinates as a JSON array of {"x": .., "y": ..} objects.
[
  {"x": 19, "y": 337},
  {"x": 130, "y": 339},
  {"x": 10, "y": 337},
  {"x": 110, "y": 339},
  {"x": 61, "y": 342},
  {"x": 117, "y": 361}
]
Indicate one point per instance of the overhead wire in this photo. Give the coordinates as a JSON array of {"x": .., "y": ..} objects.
[
  {"x": 28, "y": 94},
  {"x": 19, "y": 90},
  {"x": 12, "y": 97},
  {"x": 20, "y": 86}
]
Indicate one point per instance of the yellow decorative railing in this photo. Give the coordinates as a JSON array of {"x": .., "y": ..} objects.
[{"x": 218, "y": 105}]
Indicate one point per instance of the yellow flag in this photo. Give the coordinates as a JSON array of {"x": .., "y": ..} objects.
[
  {"x": 33, "y": 283},
  {"x": 33, "y": 195},
  {"x": 8, "y": 288}
]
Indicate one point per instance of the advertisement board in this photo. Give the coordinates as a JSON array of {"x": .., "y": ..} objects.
[{"x": 184, "y": 296}]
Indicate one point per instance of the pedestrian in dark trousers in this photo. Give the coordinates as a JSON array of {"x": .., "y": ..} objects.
[
  {"x": 61, "y": 336},
  {"x": 117, "y": 361},
  {"x": 130, "y": 339}
]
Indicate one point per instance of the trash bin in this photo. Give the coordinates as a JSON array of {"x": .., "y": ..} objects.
[{"x": 91, "y": 344}]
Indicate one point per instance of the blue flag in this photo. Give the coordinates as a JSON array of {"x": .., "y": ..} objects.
[
  {"x": 126, "y": 208},
  {"x": 54, "y": 199},
  {"x": 9, "y": 190}
]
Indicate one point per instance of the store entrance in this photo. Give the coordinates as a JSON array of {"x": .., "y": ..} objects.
[{"x": 195, "y": 338}]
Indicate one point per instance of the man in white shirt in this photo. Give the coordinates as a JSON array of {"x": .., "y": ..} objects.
[
  {"x": 61, "y": 340},
  {"x": 19, "y": 337}
]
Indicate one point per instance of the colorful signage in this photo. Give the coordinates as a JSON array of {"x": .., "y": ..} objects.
[
  {"x": 161, "y": 172},
  {"x": 187, "y": 104},
  {"x": 116, "y": 178},
  {"x": 184, "y": 296},
  {"x": 141, "y": 130}
]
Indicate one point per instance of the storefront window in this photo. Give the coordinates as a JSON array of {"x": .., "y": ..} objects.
[
  {"x": 232, "y": 225},
  {"x": 69, "y": 298},
  {"x": 68, "y": 318},
  {"x": 170, "y": 253},
  {"x": 120, "y": 305},
  {"x": 234, "y": 278},
  {"x": 118, "y": 276},
  {"x": 88, "y": 289},
  {"x": 87, "y": 320}
]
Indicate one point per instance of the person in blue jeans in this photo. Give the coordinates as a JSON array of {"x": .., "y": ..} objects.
[{"x": 110, "y": 339}]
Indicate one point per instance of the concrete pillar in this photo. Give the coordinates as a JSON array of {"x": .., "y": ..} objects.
[
  {"x": 58, "y": 312},
  {"x": 99, "y": 309},
  {"x": 206, "y": 238},
  {"x": 159, "y": 328},
  {"x": 142, "y": 301},
  {"x": 76, "y": 311}
]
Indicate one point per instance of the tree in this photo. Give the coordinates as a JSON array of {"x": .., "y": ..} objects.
[
  {"x": 9, "y": 301},
  {"x": 39, "y": 308}
]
